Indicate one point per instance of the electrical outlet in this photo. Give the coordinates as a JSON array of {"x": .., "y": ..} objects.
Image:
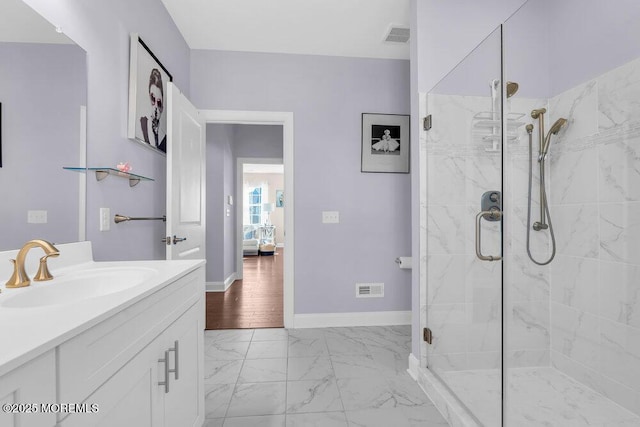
[
  {"x": 105, "y": 214},
  {"x": 330, "y": 217},
  {"x": 36, "y": 217}
]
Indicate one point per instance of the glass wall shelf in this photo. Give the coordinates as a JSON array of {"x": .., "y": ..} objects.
[{"x": 102, "y": 173}]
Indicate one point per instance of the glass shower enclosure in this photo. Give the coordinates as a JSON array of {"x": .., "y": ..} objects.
[{"x": 531, "y": 287}]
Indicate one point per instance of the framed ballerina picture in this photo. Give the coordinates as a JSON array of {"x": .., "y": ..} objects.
[{"x": 385, "y": 143}]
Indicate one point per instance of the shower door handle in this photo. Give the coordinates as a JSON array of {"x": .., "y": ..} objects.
[{"x": 494, "y": 214}]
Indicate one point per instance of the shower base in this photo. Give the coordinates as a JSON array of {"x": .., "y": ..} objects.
[{"x": 537, "y": 397}]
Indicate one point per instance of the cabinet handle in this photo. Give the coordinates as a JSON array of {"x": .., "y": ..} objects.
[
  {"x": 176, "y": 350},
  {"x": 165, "y": 383}
]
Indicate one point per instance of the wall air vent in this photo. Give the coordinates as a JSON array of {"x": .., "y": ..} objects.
[
  {"x": 397, "y": 35},
  {"x": 369, "y": 290}
]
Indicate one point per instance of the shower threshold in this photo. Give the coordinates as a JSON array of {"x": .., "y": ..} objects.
[{"x": 541, "y": 396}]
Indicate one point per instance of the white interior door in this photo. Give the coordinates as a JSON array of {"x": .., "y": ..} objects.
[{"x": 185, "y": 178}]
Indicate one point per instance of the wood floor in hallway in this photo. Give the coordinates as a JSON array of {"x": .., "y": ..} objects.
[{"x": 256, "y": 301}]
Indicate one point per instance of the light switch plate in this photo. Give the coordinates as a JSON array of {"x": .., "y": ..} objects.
[
  {"x": 36, "y": 217},
  {"x": 330, "y": 217},
  {"x": 105, "y": 214}
]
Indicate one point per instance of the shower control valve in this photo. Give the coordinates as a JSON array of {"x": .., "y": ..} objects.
[
  {"x": 491, "y": 201},
  {"x": 495, "y": 214}
]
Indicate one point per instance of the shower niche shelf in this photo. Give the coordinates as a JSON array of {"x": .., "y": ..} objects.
[
  {"x": 102, "y": 173},
  {"x": 487, "y": 127}
]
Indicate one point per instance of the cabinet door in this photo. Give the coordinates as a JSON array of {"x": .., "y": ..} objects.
[
  {"x": 184, "y": 403},
  {"x": 31, "y": 384},
  {"x": 130, "y": 398}
]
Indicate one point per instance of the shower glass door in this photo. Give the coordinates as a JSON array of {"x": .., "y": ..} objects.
[{"x": 463, "y": 298}]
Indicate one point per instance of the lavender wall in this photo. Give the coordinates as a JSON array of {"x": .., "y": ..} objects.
[
  {"x": 527, "y": 36},
  {"x": 548, "y": 49},
  {"x": 42, "y": 87},
  {"x": 102, "y": 29},
  {"x": 590, "y": 39},
  {"x": 475, "y": 74},
  {"x": 219, "y": 143},
  {"x": 446, "y": 31},
  {"x": 261, "y": 141},
  {"x": 327, "y": 96},
  {"x": 229, "y": 188}
]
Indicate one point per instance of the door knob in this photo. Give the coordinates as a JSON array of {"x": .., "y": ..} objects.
[{"x": 178, "y": 239}]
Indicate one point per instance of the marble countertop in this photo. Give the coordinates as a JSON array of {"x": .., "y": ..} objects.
[{"x": 26, "y": 333}]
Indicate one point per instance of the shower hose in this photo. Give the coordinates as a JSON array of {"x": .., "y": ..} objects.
[{"x": 543, "y": 199}]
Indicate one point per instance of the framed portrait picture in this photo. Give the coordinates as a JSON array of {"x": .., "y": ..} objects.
[
  {"x": 147, "y": 90},
  {"x": 385, "y": 143},
  {"x": 279, "y": 198}
]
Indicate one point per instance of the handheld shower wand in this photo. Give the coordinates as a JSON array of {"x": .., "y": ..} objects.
[
  {"x": 557, "y": 126},
  {"x": 544, "y": 205}
]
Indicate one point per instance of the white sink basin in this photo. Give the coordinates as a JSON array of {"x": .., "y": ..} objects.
[{"x": 78, "y": 285}]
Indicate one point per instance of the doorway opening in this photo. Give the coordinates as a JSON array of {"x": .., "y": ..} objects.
[
  {"x": 261, "y": 214},
  {"x": 262, "y": 193}
]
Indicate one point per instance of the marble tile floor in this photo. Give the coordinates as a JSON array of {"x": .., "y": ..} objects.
[
  {"x": 346, "y": 377},
  {"x": 540, "y": 396}
]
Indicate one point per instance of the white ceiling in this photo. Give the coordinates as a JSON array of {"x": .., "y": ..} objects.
[
  {"x": 20, "y": 23},
  {"x": 354, "y": 28}
]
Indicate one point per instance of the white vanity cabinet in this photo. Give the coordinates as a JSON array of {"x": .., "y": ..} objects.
[
  {"x": 30, "y": 385},
  {"x": 120, "y": 364},
  {"x": 184, "y": 398}
]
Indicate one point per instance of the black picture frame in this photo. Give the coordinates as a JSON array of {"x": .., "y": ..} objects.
[
  {"x": 148, "y": 80},
  {"x": 385, "y": 143}
]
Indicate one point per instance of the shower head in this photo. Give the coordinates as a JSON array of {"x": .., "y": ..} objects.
[
  {"x": 559, "y": 124},
  {"x": 512, "y": 88}
]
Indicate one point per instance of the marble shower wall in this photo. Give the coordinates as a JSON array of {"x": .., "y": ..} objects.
[
  {"x": 595, "y": 205},
  {"x": 461, "y": 294},
  {"x": 526, "y": 284}
]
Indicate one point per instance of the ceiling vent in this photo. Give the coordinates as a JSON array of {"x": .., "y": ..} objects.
[{"x": 397, "y": 35}]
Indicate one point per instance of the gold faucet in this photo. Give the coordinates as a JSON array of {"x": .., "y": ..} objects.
[{"x": 19, "y": 278}]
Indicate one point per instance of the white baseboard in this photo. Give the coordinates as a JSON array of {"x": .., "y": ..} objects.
[
  {"x": 443, "y": 399},
  {"x": 221, "y": 286},
  {"x": 279, "y": 245},
  {"x": 414, "y": 365},
  {"x": 373, "y": 318}
]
